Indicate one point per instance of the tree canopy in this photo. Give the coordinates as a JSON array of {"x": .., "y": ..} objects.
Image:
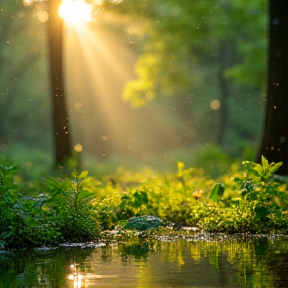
[{"x": 176, "y": 35}]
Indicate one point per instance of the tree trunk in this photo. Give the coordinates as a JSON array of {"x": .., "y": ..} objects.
[
  {"x": 60, "y": 119},
  {"x": 274, "y": 144}
]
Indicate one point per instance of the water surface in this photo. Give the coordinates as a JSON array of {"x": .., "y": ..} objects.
[{"x": 253, "y": 262}]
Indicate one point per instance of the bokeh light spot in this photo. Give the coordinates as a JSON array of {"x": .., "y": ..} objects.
[
  {"x": 78, "y": 148},
  {"x": 215, "y": 104}
]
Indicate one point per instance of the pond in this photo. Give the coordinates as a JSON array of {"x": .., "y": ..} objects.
[{"x": 165, "y": 263}]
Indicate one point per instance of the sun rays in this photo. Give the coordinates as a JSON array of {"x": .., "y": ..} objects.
[{"x": 98, "y": 63}]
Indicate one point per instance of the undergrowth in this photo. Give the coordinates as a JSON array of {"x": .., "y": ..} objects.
[{"x": 78, "y": 208}]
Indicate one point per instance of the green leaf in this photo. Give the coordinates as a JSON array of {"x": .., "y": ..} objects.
[
  {"x": 140, "y": 198},
  {"x": 83, "y": 175},
  {"x": 264, "y": 163},
  {"x": 85, "y": 195},
  {"x": 275, "y": 167},
  {"x": 265, "y": 170},
  {"x": 217, "y": 192}
]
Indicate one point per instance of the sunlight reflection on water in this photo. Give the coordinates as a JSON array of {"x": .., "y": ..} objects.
[{"x": 259, "y": 262}]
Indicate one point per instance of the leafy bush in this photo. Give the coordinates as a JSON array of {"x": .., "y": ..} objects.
[{"x": 71, "y": 199}]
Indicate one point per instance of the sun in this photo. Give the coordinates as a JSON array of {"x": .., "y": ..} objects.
[{"x": 75, "y": 11}]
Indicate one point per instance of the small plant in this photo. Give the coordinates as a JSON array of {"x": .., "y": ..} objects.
[
  {"x": 71, "y": 200},
  {"x": 132, "y": 204},
  {"x": 259, "y": 188},
  {"x": 73, "y": 192},
  {"x": 6, "y": 178},
  {"x": 263, "y": 170}
]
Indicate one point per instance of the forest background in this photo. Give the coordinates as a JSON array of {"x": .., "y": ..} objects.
[{"x": 210, "y": 56}]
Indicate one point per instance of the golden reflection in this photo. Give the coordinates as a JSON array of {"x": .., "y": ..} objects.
[{"x": 76, "y": 277}]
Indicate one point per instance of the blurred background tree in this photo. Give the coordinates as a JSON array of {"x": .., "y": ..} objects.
[
  {"x": 225, "y": 42},
  {"x": 211, "y": 55},
  {"x": 274, "y": 145},
  {"x": 24, "y": 104},
  {"x": 60, "y": 117}
]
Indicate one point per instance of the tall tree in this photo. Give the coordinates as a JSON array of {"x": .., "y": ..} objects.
[
  {"x": 274, "y": 144},
  {"x": 62, "y": 142}
]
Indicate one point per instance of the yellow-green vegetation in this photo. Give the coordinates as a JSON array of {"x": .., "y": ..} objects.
[{"x": 248, "y": 198}]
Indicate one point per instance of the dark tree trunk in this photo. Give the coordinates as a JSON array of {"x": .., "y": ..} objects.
[
  {"x": 274, "y": 144},
  {"x": 60, "y": 121}
]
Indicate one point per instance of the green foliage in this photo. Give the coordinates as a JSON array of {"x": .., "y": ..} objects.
[
  {"x": 217, "y": 192},
  {"x": 263, "y": 170},
  {"x": 77, "y": 208},
  {"x": 22, "y": 221},
  {"x": 71, "y": 199},
  {"x": 133, "y": 203},
  {"x": 179, "y": 45},
  {"x": 65, "y": 215},
  {"x": 71, "y": 192},
  {"x": 169, "y": 50},
  {"x": 6, "y": 179},
  {"x": 269, "y": 197}
]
